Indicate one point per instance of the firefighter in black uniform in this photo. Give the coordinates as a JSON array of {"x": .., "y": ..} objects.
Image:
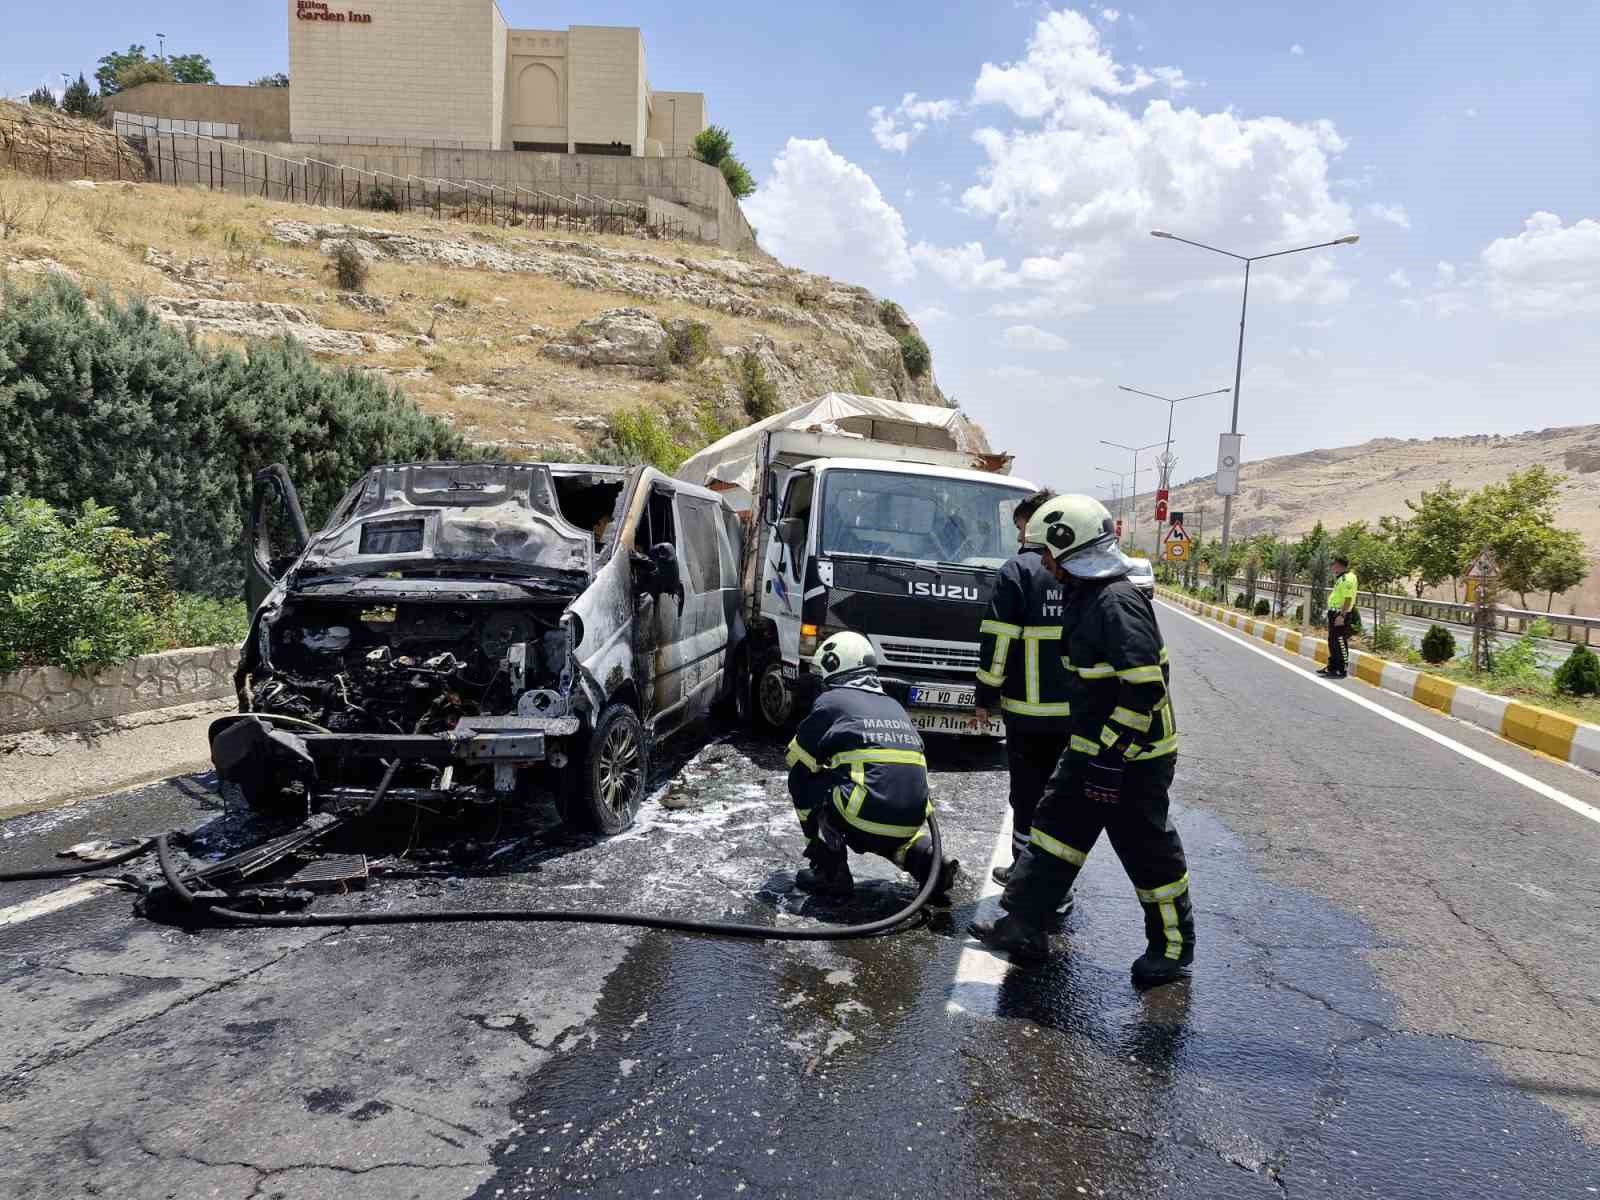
[
  {"x": 858, "y": 777},
  {"x": 1021, "y": 673},
  {"x": 1120, "y": 754}
]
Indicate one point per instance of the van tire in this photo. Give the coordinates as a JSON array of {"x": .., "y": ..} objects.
[{"x": 613, "y": 774}]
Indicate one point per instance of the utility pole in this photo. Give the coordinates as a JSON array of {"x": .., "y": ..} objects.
[
  {"x": 1349, "y": 239},
  {"x": 1133, "y": 537},
  {"x": 1166, "y": 460}
]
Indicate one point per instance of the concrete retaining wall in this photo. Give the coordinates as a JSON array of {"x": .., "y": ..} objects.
[
  {"x": 1529, "y": 726},
  {"x": 259, "y": 112},
  {"x": 48, "y": 697}
]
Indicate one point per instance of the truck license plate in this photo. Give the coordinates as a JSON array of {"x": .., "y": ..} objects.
[
  {"x": 944, "y": 697},
  {"x": 935, "y": 721}
]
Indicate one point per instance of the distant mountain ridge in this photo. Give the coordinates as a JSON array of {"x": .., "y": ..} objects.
[{"x": 1290, "y": 493}]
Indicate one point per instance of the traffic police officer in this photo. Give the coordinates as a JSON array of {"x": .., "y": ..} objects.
[
  {"x": 1120, "y": 754},
  {"x": 1021, "y": 673},
  {"x": 858, "y": 777}
]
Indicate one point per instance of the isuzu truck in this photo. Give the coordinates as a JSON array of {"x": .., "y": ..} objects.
[{"x": 885, "y": 518}]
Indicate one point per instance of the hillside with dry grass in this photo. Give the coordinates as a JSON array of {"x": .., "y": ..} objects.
[
  {"x": 1289, "y": 494},
  {"x": 536, "y": 343}
]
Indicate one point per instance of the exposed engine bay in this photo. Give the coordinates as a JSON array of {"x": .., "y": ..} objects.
[{"x": 352, "y": 667}]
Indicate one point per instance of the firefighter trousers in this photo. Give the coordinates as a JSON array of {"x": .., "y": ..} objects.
[
  {"x": 1065, "y": 828},
  {"x": 1031, "y": 758},
  {"x": 830, "y": 838}
]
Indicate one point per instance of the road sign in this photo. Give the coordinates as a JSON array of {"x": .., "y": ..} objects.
[
  {"x": 1161, "y": 505},
  {"x": 1176, "y": 533},
  {"x": 1228, "y": 464},
  {"x": 1177, "y": 551}
]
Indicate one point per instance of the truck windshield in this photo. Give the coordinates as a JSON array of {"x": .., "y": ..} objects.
[{"x": 920, "y": 517}]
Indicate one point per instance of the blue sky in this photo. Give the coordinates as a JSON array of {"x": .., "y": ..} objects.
[{"x": 1008, "y": 203}]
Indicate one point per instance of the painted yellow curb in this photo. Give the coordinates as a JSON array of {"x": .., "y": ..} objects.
[
  {"x": 1527, "y": 725},
  {"x": 1434, "y": 692}
]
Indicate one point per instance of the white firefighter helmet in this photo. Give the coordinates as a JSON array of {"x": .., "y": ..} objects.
[
  {"x": 1080, "y": 535},
  {"x": 843, "y": 653}
]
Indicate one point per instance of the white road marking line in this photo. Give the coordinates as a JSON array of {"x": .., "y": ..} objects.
[
  {"x": 50, "y": 902},
  {"x": 980, "y": 971},
  {"x": 1585, "y": 810}
]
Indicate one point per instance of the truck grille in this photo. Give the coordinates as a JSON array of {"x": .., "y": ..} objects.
[{"x": 929, "y": 655}]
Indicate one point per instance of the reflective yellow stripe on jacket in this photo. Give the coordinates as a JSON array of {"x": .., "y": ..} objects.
[{"x": 1004, "y": 633}]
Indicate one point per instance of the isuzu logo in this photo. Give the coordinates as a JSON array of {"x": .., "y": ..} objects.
[{"x": 943, "y": 591}]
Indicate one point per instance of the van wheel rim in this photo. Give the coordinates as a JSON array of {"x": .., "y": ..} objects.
[{"x": 619, "y": 769}]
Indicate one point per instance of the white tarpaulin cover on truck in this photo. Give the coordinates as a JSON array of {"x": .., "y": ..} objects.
[{"x": 733, "y": 460}]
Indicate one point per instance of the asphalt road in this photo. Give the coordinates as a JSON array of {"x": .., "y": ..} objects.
[{"x": 1397, "y": 995}]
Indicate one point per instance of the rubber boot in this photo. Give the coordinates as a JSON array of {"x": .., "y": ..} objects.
[
  {"x": 825, "y": 879},
  {"x": 1169, "y": 934},
  {"x": 1009, "y": 935},
  {"x": 919, "y": 861},
  {"x": 1002, "y": 876}
]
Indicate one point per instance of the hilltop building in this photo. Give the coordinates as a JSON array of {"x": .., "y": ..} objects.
[{"x": 452, "y": 72}]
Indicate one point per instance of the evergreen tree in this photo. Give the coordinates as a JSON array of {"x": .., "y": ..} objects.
[
  {"x": 80, "y": 101},
  {"x": 105, "y": 403},
  {"x": 42, "y": 97}
]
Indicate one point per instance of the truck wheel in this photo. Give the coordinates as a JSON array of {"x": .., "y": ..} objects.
[
  {"x": 611, "y": 780},
  {"x": 772, "y": 699}
]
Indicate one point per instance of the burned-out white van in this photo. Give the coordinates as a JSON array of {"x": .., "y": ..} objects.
[{"x": 469, "y": 633}]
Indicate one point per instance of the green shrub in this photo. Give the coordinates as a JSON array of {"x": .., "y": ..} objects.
[
  {"x": 1438, "y": 645},
  {"x": 382, "y": 199},
  {"x": 760, "y": 394},
  {"x": 1386, "y": 638},
  {"x": 76, "y": 591},
  {"x": 688, "y": 342},
  {"x": 915, "y": 354},
  {"x": 1580, "y": 674},
  {"x": 103, "y": 402},
  {"x": 1518, "y": 663},
  {"x": 1242, "y": 602},
  {"x": 206, "y": 621},
  {"x": 349, "y": 268},
  {"x": 1263, "y": 608},
  {"x": 640, "y": 435}
]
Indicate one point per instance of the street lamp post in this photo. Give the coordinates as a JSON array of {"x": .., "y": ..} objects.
[
  {"x": 1133, "y": 536},
  {"x": 673, "y": 101},
  {"x": 1172, "y": 405},
  {"x": 1349, "y": 239}
]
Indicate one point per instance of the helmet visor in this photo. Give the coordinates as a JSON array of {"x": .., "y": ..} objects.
[{"x": 1105, "y": 561}]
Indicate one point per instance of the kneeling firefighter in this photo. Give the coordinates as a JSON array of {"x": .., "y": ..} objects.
[
  {"x": 1120, "y": 756},
  {"x": 858, "y": 777}
]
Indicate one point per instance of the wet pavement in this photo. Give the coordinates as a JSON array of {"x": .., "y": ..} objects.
[{"x": 1396, "y": 995}]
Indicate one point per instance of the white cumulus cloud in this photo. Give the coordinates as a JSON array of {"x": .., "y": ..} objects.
[
  {"x": 896, "y": 128},
  {"x": 1395, "y": 214},
  {"x": 1081, "y": 172},
  {"x": 1031, "y": 337},
  {"x": 967, "y": 267},
  {"x": 1297, "y": 49},
  {"x": 1550, "y": 269},
  {"x": 820, "y": 211},
  {"x": 930, "y": 315},
  {"x": 1400, "y": 280}
]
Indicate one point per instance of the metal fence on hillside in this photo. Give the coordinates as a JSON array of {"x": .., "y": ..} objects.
[
  {"x": 47, "y": 152},
  {"x": 188, "y": 160}
]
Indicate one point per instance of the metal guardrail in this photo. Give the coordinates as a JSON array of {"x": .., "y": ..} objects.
[{"x": 1566, "y": 627}]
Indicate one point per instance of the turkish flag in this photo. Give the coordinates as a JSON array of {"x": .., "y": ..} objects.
[
  {"x": 1119, "y": 531},
  {"x": 1161, "y": 505}
]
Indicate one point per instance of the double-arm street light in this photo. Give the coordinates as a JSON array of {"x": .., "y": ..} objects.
[
  {"x": 1133, "y": 534},
  {"x": 1238, "y": 365}
]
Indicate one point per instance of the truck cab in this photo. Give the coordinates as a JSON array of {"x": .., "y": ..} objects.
[{"x": 902, "y": 552}]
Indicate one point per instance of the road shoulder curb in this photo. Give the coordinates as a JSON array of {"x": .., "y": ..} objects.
[{"x": 1529, "y": 726}]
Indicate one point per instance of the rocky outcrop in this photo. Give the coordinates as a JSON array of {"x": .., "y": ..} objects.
[
  {"x": 617, "y": 337},
  {"x": 869, "y": 330},
  {"x": 249, "y": 319}
]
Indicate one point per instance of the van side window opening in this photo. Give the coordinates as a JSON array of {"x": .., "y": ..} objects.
[
  {"x": 699, "y": 547},
  {"x": 656, "y": 525}
]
